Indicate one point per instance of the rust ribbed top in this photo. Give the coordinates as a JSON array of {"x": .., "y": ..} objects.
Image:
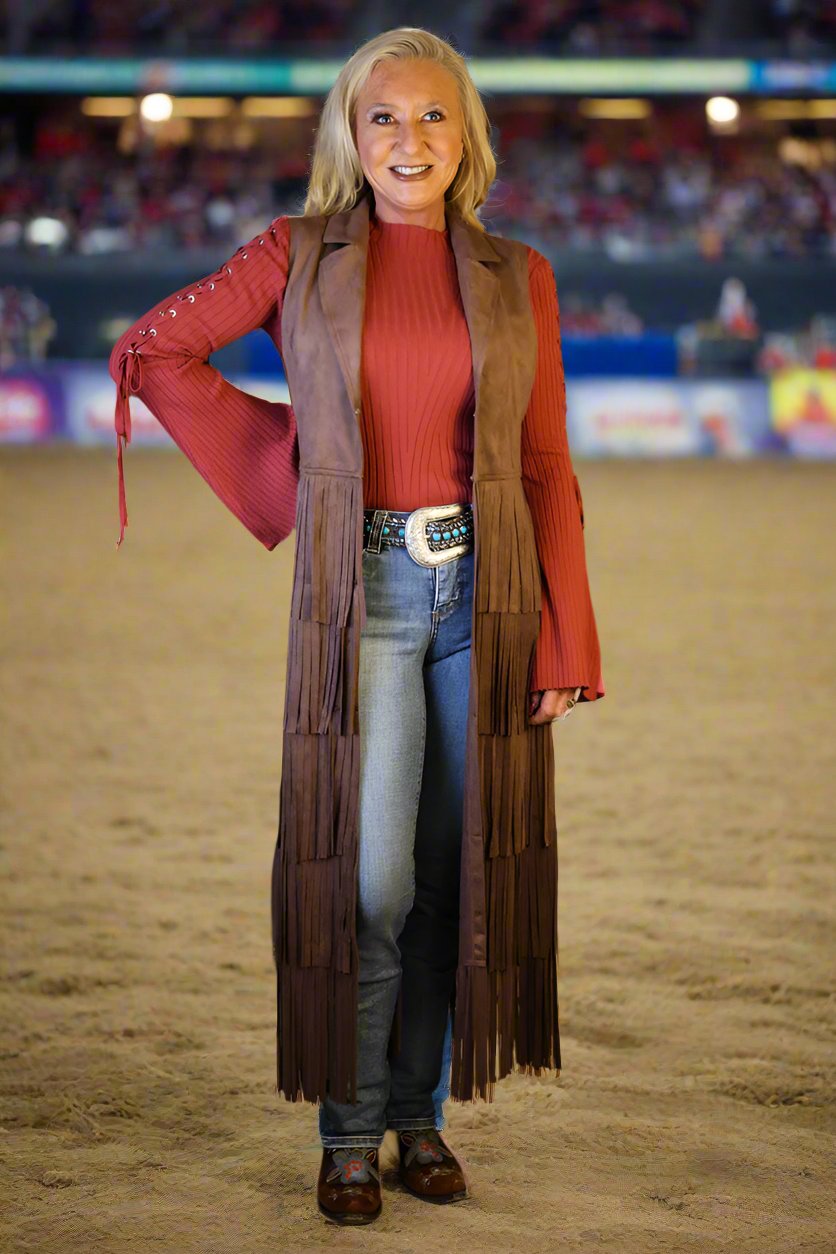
[
  {"x": 417, "y": 398},
  {"x": 417, "y": 402}
]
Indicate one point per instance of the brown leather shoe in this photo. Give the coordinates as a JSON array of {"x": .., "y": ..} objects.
[
  {"x": 429, "y": 1168},
  {"x": 348, "y": 1188}
]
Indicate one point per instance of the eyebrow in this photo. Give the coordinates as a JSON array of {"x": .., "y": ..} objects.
[{"x": 433, "y": 104}]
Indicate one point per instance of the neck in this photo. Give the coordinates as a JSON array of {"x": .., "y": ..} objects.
[{"x": 433, "y": 217}]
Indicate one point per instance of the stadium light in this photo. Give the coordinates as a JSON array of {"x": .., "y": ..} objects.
[
  {"x": 202, "y": 106},
  {"x": 279, "y": 106},
  {"x": 108, "y": 106},
  {"x": 615, "y": 108},
  {"x": 157, "y": 107},
  {"x": 791, "y": 110},
  {"x": 46, "y": 232},
  {"x": 811, "y": 154},
  {"x": 722, "y": 110}
]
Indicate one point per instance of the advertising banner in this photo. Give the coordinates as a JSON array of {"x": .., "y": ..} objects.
[
  {"x": 794, "y": 413},
  {"x": 91, "y": 398},
  {"x": 31, "y": 406},
  {"x": 803, "y": 404},
  {"x": 677, "y": 418}
]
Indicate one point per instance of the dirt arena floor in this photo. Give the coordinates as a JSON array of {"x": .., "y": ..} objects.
[{"x": 142, "y": 700}]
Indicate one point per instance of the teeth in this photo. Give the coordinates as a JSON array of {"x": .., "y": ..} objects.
[{"x": 409, "y": 169}]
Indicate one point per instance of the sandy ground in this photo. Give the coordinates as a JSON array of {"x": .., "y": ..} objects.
[{"x": 142, "y": 697}]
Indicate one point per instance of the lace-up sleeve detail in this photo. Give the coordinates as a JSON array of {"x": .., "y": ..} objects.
[
  {"x": 244, "y": 447},
  {"x": 567, "y": 653}
]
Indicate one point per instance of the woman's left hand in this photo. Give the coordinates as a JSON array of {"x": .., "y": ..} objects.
[{"x": 546, "y": 705}]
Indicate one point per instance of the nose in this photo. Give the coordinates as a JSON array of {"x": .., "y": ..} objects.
[{"x": 410, "y": 143}]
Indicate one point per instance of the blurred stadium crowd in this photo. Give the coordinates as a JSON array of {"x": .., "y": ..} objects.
[
  {"x": 665, "y": 189},
  {"x": 170, "y": 27},
  {"x": 658, "y": 188},
  {"x": 177, "y": 26},
  {"x": 26, "y": 327},
  {"x": 801, "y": 27}
]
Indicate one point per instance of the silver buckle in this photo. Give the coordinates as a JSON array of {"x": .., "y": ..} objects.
[{"x": 416, "y": 541}]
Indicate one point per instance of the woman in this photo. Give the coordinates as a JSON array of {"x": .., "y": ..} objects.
[{"x": 440, "y": 617}]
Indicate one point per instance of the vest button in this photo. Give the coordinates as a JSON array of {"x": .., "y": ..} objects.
[{"x": 357, "y": 411}]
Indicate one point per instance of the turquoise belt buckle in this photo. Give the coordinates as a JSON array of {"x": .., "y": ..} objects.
[{"x": 415, "y": 534}]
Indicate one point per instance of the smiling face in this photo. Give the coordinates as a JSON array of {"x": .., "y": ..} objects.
[{"x": 408, "y": 114}]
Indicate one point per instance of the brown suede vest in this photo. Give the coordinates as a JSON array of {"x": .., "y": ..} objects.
[{"x": 505, "y": 998}]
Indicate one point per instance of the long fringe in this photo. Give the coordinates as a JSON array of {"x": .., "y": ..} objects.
[
  {"x": 505, "y": 631},
  {"x": 517, "y": 790},
  {"x": 329, "y": 519},
  {"x": 314, "y": 883},
  {"x": 515, "y": 995},
  {"x": 316, "y": 1057},
  {"x": 510, "y": 581},
  {"x": 506, "y": 1008},
  {"x": 518, "y": 1007},
  {"x": 327, "y": 611},
  {"x": 313, "y": 901},
  {"x": 505, "y": 643},
  {"x": 318, "y": 800}
]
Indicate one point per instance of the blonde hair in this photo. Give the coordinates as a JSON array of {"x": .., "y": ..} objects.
[{"x": 337, "y": 180}]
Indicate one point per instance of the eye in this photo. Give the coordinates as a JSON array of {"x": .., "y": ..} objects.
[{"x": 436, "y": 113}]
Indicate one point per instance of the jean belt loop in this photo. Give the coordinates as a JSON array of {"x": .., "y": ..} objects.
[{"x": 376, "y": 532}]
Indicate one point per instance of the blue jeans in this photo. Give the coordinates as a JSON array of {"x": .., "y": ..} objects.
[{"x": 413, "y": 694}]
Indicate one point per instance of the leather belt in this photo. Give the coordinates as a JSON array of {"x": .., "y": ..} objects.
[{"x": 431, "y": 534}]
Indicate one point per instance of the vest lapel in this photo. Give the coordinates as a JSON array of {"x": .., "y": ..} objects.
[
  {"x": 342, "y": 289},
  {"x": 477, "y": 266}
]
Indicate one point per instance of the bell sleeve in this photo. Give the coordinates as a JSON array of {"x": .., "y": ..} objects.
[
  {"x": 567, "y": 654},
  {"x": 243, "y": 446}
]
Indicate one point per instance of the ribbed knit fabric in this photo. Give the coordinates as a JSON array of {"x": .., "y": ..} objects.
[
  {"x": 242, "y": 445},
  {"x": 417, "y": 402},
  {"x": 567, "y": 650},
  {"x": 416, "y": 416}
]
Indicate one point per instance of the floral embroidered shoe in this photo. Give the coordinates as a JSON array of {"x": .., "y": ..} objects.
[
  {"x": 429, "y": 1168},
  {"x": 348, "y": 1188}
]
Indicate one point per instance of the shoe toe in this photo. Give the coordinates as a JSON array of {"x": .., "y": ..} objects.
[
  {"x": 342, "y": 1199},
  {"x": 439, "y": 1178}
]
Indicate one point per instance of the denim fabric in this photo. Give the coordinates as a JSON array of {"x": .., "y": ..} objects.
[{"x": 413, "y": 695}]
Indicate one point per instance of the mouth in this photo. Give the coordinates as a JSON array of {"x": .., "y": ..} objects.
[{"x": 410, "y": 173}]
